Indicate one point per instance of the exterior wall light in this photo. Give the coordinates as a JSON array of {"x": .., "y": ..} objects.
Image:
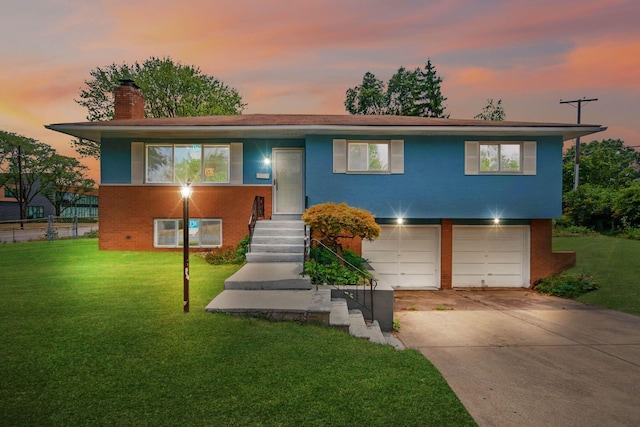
[
  {"x": 267, "y": 161},
  {"x": 496, "y": 221},
  {"x": 399, "y": 220}
]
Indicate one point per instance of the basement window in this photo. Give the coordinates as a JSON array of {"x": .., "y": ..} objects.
[{"x": 203, "y": 233}]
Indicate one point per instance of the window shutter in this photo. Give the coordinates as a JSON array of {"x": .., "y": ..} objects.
[
  {"x": 137, "y": 163},
  {"x": 471, "y": 157},
  {"x": 397, "y": 156},
  {"x": 236, "y": 163},
  {"x": 339, "y": 156},
  {"x": 529, "y": 158}
]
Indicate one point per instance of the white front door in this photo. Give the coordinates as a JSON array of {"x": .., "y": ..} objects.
[
  {"x": 494, "y": 256},
  {"x": 406, "y": 257},
  {"x": 288, "y": 186}
]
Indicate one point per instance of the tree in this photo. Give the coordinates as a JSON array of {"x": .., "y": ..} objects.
[
  {"x": 607, "y": 163},
  {"x": 492, "y": 112},
  {"x": 408, "y": 93},
  {"x": 170, "y": 89},
  {"x": 65, "y": 184},
  {"x": 331, "y": 222},
  {"x": 25, "y": 164},
  {"x": 368, "y": 98}
]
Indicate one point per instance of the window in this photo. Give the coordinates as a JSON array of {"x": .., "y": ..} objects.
[
  {"x": 203, "y": 233},
  {"x": 35, "y": 212},
  {"x": 500, "y": 157},
  {"x": 178, "y": 163},
  {"x": 368, "y": 156}
]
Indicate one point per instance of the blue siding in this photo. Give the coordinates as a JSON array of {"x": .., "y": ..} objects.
[
  {"x": 115, "y": 161},
  {"x": 434, "y": 184}
]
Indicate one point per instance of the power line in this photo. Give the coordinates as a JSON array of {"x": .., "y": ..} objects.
[{"x": 576, "y": 175}]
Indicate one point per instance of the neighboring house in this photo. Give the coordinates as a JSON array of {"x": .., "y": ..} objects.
[
  {"x": 40, "y": 207},
  {"x": 461, "y": 202}
]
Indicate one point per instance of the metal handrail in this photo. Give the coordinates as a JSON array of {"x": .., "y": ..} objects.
[
  {"x": 372, "y": 282},
  {"x": 257, "y": 211}
]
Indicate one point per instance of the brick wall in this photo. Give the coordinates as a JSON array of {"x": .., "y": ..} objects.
[
  {"x": 127, "y": 212},
  {"x": 446, "y": 254},
  {"x": 545, "y": 262},
  {"x": 128, "y": 102}
]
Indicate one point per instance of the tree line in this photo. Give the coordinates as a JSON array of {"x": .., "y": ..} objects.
[{"x": 29, "y": 168}]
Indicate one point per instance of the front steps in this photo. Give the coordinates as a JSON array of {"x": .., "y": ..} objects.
[
  {"x": 270, "y": 286},
  {"x": 277, "y": 241},
  {"x": 303, "y": 306}
]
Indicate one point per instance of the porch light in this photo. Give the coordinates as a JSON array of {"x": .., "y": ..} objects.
[
  {"x": 185, "y": 192},
  {"x": 399, "y": 220},
  {"x": 496, "y": 221},
  {"x": 267, "y": 160}
]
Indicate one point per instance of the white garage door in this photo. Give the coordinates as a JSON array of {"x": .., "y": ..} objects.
[
  {"x": 406, "y": 257},
  {"x": 496, "y": 256}
]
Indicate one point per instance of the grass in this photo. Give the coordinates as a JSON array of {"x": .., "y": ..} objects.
[
  {"x": 613, "y": 262},
  {"x": 95, "y": 337}
]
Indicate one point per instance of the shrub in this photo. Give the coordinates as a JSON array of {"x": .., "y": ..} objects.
[
  {"x": 566, "y": 285},
  {"x": 591, "y": 206},
  {"x": 228, "y": 254},
  {"x": 325, "y": 267}
]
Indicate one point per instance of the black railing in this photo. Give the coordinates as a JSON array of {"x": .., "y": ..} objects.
[
  {"x": 356, "y": 292},
  {"x": 257, "y": 211}
]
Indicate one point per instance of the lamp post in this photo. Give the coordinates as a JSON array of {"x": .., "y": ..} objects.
[{"x": 185, "y": 191}]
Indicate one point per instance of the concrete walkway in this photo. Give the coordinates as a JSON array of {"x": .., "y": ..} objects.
[{"x": 516, "y": 358}]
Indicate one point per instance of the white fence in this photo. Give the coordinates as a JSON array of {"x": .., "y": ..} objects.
[{"x": 51, "y": 229}]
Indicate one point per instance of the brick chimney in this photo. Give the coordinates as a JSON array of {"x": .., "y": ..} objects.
[{"x": 129, "y": 101}]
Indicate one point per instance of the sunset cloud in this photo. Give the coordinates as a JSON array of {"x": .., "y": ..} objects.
[{"x": 286, "y": 56}]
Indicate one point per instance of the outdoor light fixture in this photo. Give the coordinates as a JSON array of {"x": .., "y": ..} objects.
[
  {"x": 400, "y": 220},
  {"x": 496, "y": 221},
  {"x": 267, "y": 160},
  {"x": 185, "y": 191}
]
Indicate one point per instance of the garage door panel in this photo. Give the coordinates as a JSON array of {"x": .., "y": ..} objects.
[
  {"x": 417, "y": 268},
  {"x": 469, "y": 245},
  {"x": 426, "y": 257},
  {"x": 469, "y": 258},
  {"x": 505, "y": 257},
  {"x": 489, "y": 256},
  {"x": 468, "y": 268},
  {"x": 405, "y": 256}
]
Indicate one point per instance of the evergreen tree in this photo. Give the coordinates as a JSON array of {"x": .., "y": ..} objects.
[{"x": 408, "y": 93}]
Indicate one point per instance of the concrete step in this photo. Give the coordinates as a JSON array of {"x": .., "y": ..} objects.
[
  {"x": 285, "y": 232},
  {"x": 278, "y": 247},
  {"x": 305, "y": 306},
  {"x": 280, "y": 239},
  {"x": 286, "y": 217},
  {"x": 269, "y": 276},
  {"x": 339, "y": 316},
  {"x": 270, "y": 257},
  {"x": 284, "y": 225},
  {"x": 393, "y": 341},
  {"x": 358, "y": 328}
]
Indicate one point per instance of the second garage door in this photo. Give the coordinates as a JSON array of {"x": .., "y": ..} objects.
[
  {"x": 406, "y": 257},
  {"x": 496, "y": 256}
]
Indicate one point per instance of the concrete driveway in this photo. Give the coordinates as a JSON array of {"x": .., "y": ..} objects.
[{"x": 517, "y": 358}]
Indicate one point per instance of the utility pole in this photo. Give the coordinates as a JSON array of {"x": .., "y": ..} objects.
[{"x": 576, "y": 174}]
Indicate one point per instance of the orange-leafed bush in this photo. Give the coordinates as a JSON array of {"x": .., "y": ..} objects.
[{"x": 331, "y": 222}]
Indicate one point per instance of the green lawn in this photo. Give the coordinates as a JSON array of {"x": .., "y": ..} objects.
[
  {"x": 614, "y": 262},
  {"x": 99, "y": 338}
]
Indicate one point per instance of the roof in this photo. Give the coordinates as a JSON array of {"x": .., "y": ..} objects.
[{"x": 301, "y": 125}]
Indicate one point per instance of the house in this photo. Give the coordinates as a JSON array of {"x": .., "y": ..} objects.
[
  {"x": 72, "y": 205},
  {"x": 461, "y": 203}
]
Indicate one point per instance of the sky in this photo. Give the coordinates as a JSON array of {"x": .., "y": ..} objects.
[{"x": 301, "y": 56}]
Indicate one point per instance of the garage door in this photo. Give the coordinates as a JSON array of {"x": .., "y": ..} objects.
[
  {"x": 406, "y": 257},
  {"x": 496, "y": 256}
]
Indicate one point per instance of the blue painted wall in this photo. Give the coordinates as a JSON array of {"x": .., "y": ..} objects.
[
  {"x": 434, "y": 184},
  {"x": 115, "y": 161}
]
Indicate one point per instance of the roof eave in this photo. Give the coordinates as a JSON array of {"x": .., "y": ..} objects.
[{"x": 98, "y": 132}]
